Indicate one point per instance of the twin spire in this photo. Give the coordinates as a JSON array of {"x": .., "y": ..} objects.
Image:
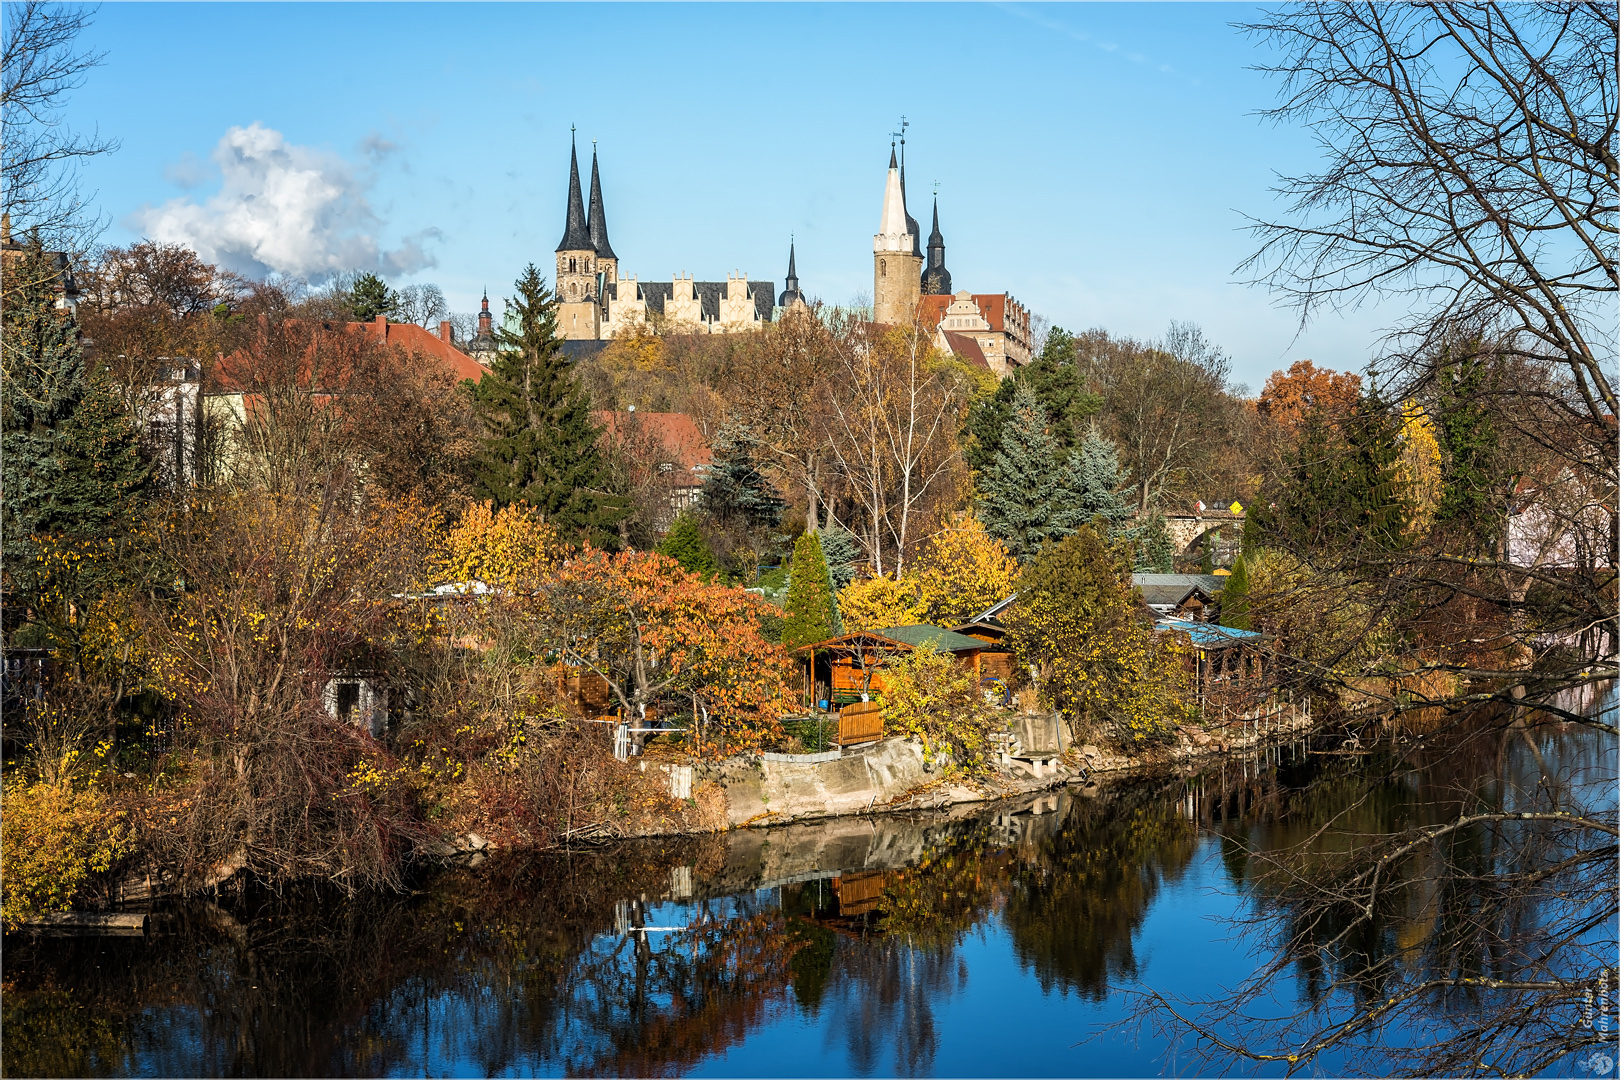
[{"x": 585, "y": 231}]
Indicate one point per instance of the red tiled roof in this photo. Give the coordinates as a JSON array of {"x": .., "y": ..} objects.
[
  {"x": 413, "y": 338},
  {"x": 967, "y": 347},
  {"x": 993, "y": 306},
  {"x": 676, "y": 431},
  {"x": 931, "y": 309},
  {"x": 407, "y": 336}
]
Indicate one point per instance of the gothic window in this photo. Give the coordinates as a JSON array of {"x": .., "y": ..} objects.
[
  {"x": 572, "y": 265},
  {"x": 883, "y": 268}
]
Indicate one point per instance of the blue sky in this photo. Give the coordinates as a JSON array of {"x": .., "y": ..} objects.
[{"x": 1094, "y": 160}]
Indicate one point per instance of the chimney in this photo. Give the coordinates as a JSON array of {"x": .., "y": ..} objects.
[
  {"x": 382, "y": 326},
  {"x": 444, "y": 332}
]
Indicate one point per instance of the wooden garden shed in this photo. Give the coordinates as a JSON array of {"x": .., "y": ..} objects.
[{"x": 849, "y": 667}]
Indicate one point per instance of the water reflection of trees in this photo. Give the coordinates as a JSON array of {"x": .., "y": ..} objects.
[
  {"x": 1077, "y": 903},
  {"x": 1444, "y": 906},
  {"x": 529, "y": 965}
]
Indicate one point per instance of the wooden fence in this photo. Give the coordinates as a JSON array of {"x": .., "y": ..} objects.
[{"x": 861, "y": 722}]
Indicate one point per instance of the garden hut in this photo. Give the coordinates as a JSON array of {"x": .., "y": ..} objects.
[
  {"x": 1229, "y": 665},
  {"x": 849, "y": 667}
]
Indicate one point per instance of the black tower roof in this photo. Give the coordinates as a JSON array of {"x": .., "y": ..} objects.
[
  {"x": 576, "y": 233},
  {"x": 911, "y": 223},
  {"x": 791, "y": 293},
  {"x": 598, "y": 218},
  {"x": 936, "y": 280}
]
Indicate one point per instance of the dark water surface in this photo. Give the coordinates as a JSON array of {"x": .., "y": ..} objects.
[{"x": 987, "y": 941}]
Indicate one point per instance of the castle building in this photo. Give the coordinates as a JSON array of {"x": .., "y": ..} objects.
[
  {"x": 596, "y": 303},
  {"x": 986, "y": 329}
]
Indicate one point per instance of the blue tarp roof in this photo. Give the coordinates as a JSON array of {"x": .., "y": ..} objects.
[{"x": 1210, "y": 635}]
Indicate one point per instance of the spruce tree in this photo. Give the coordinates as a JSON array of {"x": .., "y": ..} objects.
[
  {"x": 1100, "y": 478},
  {"x": 685, "y": 544},
  {"x": 1030, "y": 493},
  {"x": 72, "y": 459},
  {"x": 809, "y": 616},
  {"x": 1058, "y": 386},
  {"x": 735, "y": 491},
  {"x": 539, "y": 444},
  {"x": 842, "y": 552}
]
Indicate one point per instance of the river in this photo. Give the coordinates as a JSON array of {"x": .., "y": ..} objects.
[{"x": 988, "y": 940}]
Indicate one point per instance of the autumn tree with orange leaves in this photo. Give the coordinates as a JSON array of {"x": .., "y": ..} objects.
[{"x": 663, "y": 637}]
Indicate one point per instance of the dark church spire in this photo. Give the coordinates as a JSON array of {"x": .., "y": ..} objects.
[
  {"x": 576, "y": 233},
  {"x": 911, "y": 223},
  {"x": 791, "y": 293},
  {"x": 936, "y": 280},
  {"x": 598, "y": 217}
]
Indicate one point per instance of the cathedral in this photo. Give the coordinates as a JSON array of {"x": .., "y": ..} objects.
[{"x": 597, "y": 303}]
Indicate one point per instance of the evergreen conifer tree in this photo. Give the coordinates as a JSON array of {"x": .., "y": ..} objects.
[
  {"x": 1155, "y": 554},
  {"x": 735, "y": 490},
  {"x": 370, "y": 297},
  {"x": 539, "y": 444},
  {"x": 842, "y": 552},
  {"x": 1099, "y": 481},
  {"x": 1341, "y": 488},
  {"x": 1058, "y": 386},
  {"x": 809, "y": 616},
  {"x": 1235, "y": 597},
  {"x": 685, "y": 544},
  {"x": 71, "y": 456},
  {"x": 1468, "y": 448},
  {"x": 1030, "y": 492}
]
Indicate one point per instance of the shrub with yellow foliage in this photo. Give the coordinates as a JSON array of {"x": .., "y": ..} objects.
[
  {"x": 930, "y": 697},
  {"x": 53, "y": 838}
]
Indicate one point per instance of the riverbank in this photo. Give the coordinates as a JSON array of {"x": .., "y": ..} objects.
[{"x": 894, "y": 776}]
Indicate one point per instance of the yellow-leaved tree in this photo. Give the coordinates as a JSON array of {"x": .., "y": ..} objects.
[
  {"x": 1097, "y": 658},
  {"x": 512, "y": 547},
  {"x": 879, "y": 601},
  {"x": 1419, "y": 466},
  {"x": 961, "y": 571}
]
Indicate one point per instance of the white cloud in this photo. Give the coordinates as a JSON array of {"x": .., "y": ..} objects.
[{"x": 285, "y": 209}]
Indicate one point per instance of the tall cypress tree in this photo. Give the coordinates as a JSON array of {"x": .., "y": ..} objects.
[
  {"x": 1031, "y": 492},
  {"x": 539, "y": 444},
  {"x": 72, "y": 459},
  {"x": 809, "y": 616}
]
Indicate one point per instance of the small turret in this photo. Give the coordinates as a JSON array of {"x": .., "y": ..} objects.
[
  {"x": 791, "y": 295},
  {"x": 936, "y": 280}
]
